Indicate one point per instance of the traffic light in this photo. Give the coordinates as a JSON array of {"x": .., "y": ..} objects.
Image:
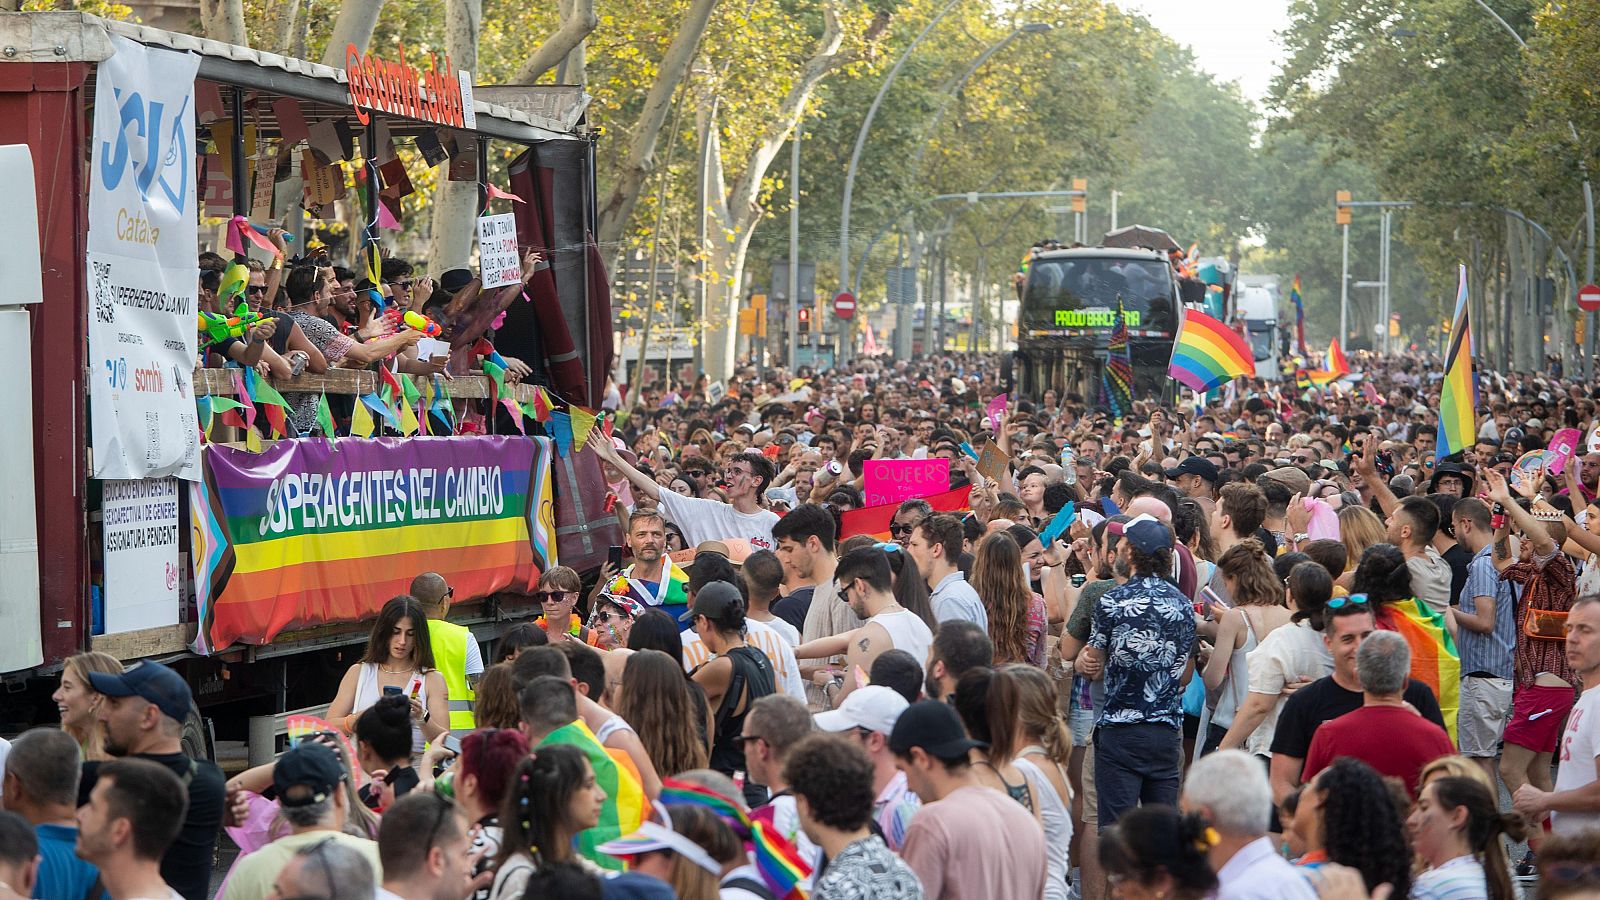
[
  {"x": 1080, "y": 203},
  {"x": 1341, "y": 208},
  {"x": 805, "y": 320}
]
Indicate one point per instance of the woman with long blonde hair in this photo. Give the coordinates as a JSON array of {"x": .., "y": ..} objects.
[
  {"x": 656, "y": 701},
  {"x": 997, "y": 577},
  {"x": 79, "y": 703},
  {"x": 1359, "y": 528},
  {"x": 1258, "y": 610},
  {"x": 1043, "y": 760}
]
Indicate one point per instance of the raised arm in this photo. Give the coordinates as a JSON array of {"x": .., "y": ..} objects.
[
  {"x": 641, "y": 482},
  {"x": 1532, "y": 529}
]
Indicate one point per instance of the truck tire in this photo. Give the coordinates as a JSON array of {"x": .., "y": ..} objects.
[{"x": 198, "y": 742}]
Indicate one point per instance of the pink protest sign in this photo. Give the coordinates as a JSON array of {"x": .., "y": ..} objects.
[
  {"x": 996, "y": 412},
  {"x": 1563, "y": 444},
  {"x": 895, "y": 480}
]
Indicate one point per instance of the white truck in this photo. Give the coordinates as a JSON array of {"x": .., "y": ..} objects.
[{"x": 1255, "y": 302}]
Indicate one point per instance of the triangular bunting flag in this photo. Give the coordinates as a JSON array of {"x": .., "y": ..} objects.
[
  {"x": 582, "y": 423},
  {"x": 376, "y": 404},
  {"x": 408, "y": 419},
  {"x": 252, "y": 440},
  {"x": 273, "y": 405},
  {"x": 541, "y": 405},
  {"x": 561, "y": 425},
  {"x": 497, "y": 374},
  {"x": 325, "y": 418},
  {"x": 361, "y": 424},
  {"x": 408, "y": 389},
  {"x": 607, "y": 422},
  {"x": 388, "y": 386}
]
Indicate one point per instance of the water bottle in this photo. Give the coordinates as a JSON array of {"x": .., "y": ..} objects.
[{"x": 1069, "y": 463}]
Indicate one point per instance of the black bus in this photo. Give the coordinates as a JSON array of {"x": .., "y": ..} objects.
[{"x": 1069, "y": 307}]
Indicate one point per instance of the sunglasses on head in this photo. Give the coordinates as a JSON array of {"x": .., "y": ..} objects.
[
  {"x": 887, "y": 546},
  {"x": 1352, "y": 600}
]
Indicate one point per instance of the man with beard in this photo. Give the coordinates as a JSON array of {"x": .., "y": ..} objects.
[
  {"x": 142, "y": 717},
  {"x": 128, "y": 826},
  {"x": 653, "y": 580},
  {"x": 867, "y": 584}
]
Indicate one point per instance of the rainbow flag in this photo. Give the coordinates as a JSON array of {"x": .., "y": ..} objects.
[
  {"x": 625, "y": 802},
  {"x": 776, "y": 860},
  {"x": 1434, "y": 659},
  {"x": 1208, "y": 354},
  {"x": 673, "y": 601},
  {"x": 1299, "y": 317},
  {"x": 1116, "y": 381},
  {"x": 1458, "y": 395},
  {"x": 1337, "y": 364}
]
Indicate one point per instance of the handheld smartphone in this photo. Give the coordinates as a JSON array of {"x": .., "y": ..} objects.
[
  {"x": 391, "y": 689},
  {"x": 614, "y": 556},
  {"x": 1212, "y": 599}
]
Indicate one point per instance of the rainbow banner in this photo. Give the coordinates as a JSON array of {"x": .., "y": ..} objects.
[
  {"x": 1434, "y": 659},
  {"x": 874, "y": 520},
  {"x": 314, "y": 531},
  {"x": 1208, "y": 354},
  {"x": 1458, "y": 394},
  {"x": 622, "y": 810}
]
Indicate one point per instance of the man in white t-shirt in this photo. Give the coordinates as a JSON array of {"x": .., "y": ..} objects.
[
  {"x": 1574, "y": 805},
  {"x": 744, "y": 477}
]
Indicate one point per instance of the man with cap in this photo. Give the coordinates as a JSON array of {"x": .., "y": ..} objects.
[
  {"x": 143, "y": 716},
  {"x": 967, "y": 840},
  {"x": 868, "y": 715},
  {"x": 1142, "y": 632},
  {"x": 309, "y": 784},
  {"x": 1280, "y": 486},
  {"x": 1195, "y": 477}
]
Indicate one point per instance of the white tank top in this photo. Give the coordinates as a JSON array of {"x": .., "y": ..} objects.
[
  {"x": 368, "y": 692},
  {"x": 907, "y": 632},
  {"x": 1056, "y": 816}
]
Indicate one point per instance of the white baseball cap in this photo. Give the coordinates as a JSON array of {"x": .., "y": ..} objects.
[{"x": 874, "y": 707}]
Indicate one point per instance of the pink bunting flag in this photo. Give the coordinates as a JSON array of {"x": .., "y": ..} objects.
[
  {"x": 497, "y": 194},
  {"x": 386, "y": 217},
  {"x": 240, "y": 230}
]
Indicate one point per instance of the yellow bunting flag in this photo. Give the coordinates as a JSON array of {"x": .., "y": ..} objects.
[
  {"x": 408, "y": 418},
  {"x": 361, "y": 424},
  {"x": 252, "y": 440},
  {"x": 582, "y": 424}
]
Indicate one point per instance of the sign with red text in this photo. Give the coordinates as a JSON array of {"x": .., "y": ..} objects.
[
  {"x": 436, "y": 94},
  {"x": 897, "y": 480}
]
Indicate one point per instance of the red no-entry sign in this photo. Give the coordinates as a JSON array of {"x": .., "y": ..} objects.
[
  {"x": 844, "y": 303},
  {"x": 1589, "y": 298}
]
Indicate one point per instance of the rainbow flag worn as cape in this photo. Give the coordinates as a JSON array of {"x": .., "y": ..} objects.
[
  {"x": 625, "y": 801},
  {"x": 1434, "y": 659},
  {"x": 676, "y": 593},
  {"x": 1208, "y": 354},
  {"x": 1458, "y": 394},
  {"x": 776, "y": 859}
]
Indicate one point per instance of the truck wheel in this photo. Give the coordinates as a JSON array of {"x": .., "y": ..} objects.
[{"x": 197, "y": 739}]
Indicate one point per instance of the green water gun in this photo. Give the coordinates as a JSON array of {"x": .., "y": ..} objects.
[{"x": 216, "y": 328}]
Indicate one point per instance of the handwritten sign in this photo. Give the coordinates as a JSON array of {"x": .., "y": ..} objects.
[
  {"x": 996, "y": 412},
  {"x": 497, "y": 250},
  {"x": 993, "y": 463},
  {"x": 897, "y": 480}
]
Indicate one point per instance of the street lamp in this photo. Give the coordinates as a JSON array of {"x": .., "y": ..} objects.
[{"x": 861, "y": 141}]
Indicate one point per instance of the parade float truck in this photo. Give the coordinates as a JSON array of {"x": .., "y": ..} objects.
[{"x": 135, "y": 521}]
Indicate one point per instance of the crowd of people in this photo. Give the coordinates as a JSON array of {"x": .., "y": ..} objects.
[{"x": 1269, "y": 645}]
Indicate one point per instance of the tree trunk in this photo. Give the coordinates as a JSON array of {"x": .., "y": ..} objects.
[
  {"x": 288, "y": 18},
  {"x": 356, "y": 20},
  {"x": 739, "y": 211},
  {"x": 227, "y": 23},
  {"x": 618, "y": 208},
  {"x": 577, "y": 21},
  {"x": 455, "y": 203}
]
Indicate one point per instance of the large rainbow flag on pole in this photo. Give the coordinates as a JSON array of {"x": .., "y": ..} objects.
[
  {"x": 1458, "y": 395},
  {"x": 1208, "y": 354},
  {"x": 1299, "y": 318}
]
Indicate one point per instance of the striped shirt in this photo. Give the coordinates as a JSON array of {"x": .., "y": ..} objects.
[
  {"x": 1492, "y": 652},
  {"x": 1459, "y": 879}
]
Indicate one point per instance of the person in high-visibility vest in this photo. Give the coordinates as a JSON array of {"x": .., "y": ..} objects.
[{"x": 455, "y": 650}]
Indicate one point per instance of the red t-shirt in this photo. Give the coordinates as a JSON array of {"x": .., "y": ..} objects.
[{"x": 1392, "y": 739}]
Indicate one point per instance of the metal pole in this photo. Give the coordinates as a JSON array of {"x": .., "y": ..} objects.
[
  {"x": 705, "y": 205},
  {"x": 793, "y": 288},
  {"x": 1383, "y": 281},
  {"x": 1344, "y": 289},
  {"x": 1114, "y": 196},
  {"x": 861, "y": 141}
]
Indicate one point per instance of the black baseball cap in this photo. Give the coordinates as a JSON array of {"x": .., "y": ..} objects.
[
  {"x": 713, "y": 601},
  {"x": 934, "y": 727},
  {"x": 1196, "y": 465},
  {"x": 308, "y": 774},
  {"x": 151, "y": 681}
]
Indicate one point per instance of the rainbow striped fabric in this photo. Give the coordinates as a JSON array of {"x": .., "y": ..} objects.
[
  {"x": 1117, "y": 378},
  {"x": 1458, "y": 395},
  {"x": 1299, "y": 317},
  {"x": 625, "y": 802},
  {"x": 1435, "y": 661},
  {"x": 776, "y": 859},
  {"x": 1208, "y": 354}
]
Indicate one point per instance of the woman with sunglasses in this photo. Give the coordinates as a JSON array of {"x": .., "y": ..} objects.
[
  {"x": 557, "y": 593},
  {"x": 611, "y": 621}
]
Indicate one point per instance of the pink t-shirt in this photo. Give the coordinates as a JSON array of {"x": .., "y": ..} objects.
[{"x": 975, "y": 844}]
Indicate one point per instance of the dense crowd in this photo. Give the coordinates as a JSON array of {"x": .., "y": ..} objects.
[{"x": 1273, "y": 644}]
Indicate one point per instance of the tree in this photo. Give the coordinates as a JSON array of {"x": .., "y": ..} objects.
[{"x": 455, "y": 203}]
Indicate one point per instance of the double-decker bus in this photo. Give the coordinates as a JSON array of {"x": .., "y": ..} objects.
[{"x": 1068, "y": 310}]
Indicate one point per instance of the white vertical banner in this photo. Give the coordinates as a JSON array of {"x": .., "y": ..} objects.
[
  {"x": 498, "y": 262},
  {"x": 143, "y": 290},
  {"x": 139, "y": 531}
]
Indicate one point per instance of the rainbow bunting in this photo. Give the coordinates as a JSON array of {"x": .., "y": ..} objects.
[
  {"x": 272, "y": 403},
  {"x": 1208, "y": 354},
  {"x": 1434, "y": 659},
  {"x": 361, "y": 423},
  {"x": 1458, "y": 395},
  {"x": 624, "y": 805}
]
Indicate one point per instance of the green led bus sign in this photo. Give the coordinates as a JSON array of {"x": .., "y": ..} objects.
[{"x": 1094, "y": 318}]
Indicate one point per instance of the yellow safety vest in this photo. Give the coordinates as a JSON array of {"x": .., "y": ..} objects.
[{"x": 450, "y": 658}]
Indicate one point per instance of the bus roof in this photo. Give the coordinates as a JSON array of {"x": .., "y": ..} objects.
[{"x": 1102, "y": 253}]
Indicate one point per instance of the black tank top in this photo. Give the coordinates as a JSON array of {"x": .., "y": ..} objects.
[{"x": 751, "y": 680}]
